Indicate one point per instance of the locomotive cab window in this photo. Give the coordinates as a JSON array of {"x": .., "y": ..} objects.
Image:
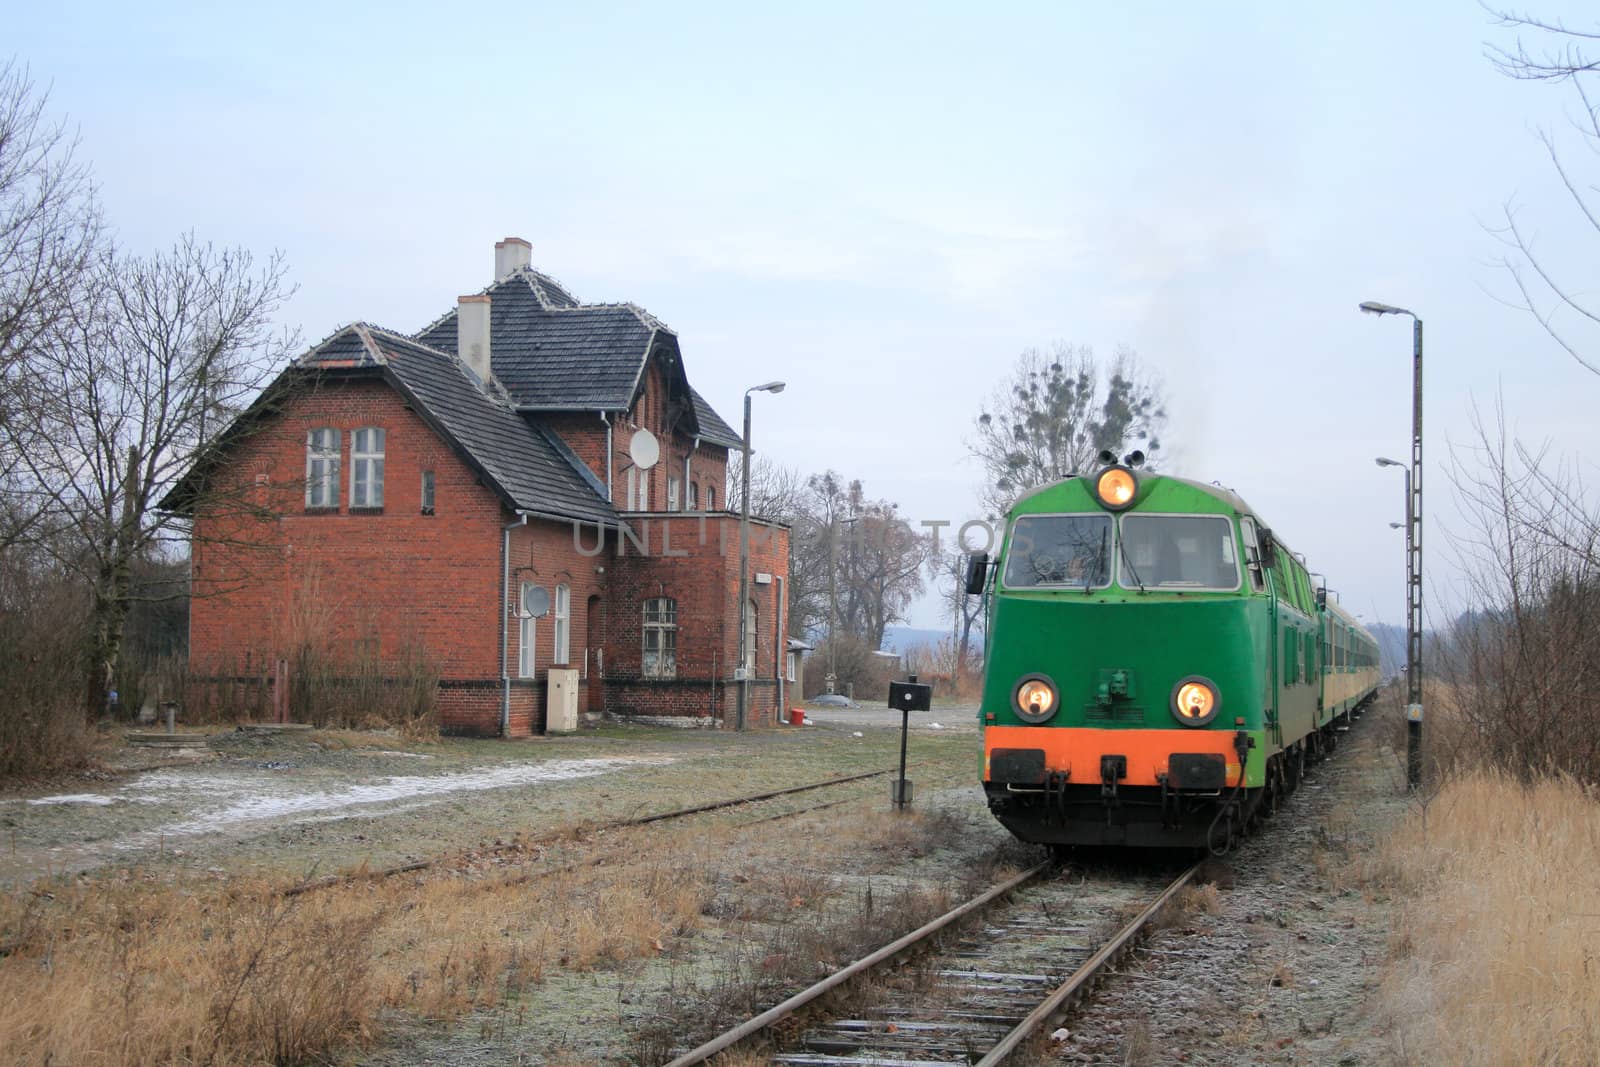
[
  {"x": 1060, "y": 550},
  {"x": 1178, "y": 552}
]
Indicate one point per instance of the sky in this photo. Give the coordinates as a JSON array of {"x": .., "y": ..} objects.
[{"x": 883, "y": 205}]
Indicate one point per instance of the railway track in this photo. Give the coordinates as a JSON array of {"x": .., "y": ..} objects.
[
  {"x": 330, "y": 881},
  {"x": 1026, "y": 950}
]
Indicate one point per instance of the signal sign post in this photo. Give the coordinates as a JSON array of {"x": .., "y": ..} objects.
[{"x": 909, "y": 695}]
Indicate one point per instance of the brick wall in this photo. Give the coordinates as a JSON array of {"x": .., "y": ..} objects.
[
  {"x": 585, "y": 434},
  {"x": 398, "y": 583},
  {"x": 694, "y": 560}
]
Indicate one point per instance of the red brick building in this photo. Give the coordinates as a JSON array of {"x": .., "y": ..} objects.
[{"x": 527, "y": 495}]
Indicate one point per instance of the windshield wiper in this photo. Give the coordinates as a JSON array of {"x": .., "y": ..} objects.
[{"x": 1129, "y": 561}]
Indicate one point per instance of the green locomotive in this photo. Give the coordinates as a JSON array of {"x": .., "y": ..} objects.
[{"x": 1159, "y": 665}]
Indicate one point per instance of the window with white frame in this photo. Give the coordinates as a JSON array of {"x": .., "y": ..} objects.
[
  {"x": 638, "y": 489},
  {"x": 711, "y": 499},
  {"x": 660, "y": 638},
  {"x": 750, "y": 613},
  {"x": 789, "y": 672},
  {"x": 694, "y": 497},
  {"x": 322, "y": 468},
  {"x": 563, "y": 617},
  {"x": 672, "y": 494},
  {"x": 427, "y": 492},
  {"x": 527, "y": 633},
  {"x": 366, "y": 467}
]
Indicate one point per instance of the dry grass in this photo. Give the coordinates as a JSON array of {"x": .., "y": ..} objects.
[
  {"x": 142, "y": 972},
  {"x": 1497, "y": 943}
]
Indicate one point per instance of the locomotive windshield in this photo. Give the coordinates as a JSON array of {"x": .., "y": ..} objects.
[
  {"x": 1178, "y": 552},
  {"x": 1060, "y": 550}
]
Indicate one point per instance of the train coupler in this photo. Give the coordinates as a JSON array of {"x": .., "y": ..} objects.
[{"x": 1112, "y": 770}]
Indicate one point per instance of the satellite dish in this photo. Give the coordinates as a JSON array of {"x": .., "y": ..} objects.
[
  {"x": 644, "y": 449},
  {"x": 535, "y": 602}
]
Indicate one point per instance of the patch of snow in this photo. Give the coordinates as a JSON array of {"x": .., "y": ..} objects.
[
  {"x": 246, "y": 802},
  {"x": 75, "y": 798}
]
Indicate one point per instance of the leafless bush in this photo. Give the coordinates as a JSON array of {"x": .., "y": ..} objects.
[
  {"x": 1523, "y": 661},
  {"x": 42, "y": 623}
]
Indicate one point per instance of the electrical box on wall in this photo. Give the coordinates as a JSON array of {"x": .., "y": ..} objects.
[{"x": 561, "y": 715}]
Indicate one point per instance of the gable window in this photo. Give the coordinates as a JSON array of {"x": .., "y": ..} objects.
[
  {"x": 527, "y": 633},
  {"x": 366, "y": 468},
  {"x": 322, "y": 468},
  {"x": 563, "y": 614},
  {"x": 660, "y": 638},
  {"x": 427, "y": 492},
  {"x": 672, "y": 494}
]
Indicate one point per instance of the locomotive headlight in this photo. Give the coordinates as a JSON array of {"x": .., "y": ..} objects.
[
  {"x": 1035, "y": 698},
  {"x": 1195, "y": 701},
  {"x": 1116, "y": 487}
]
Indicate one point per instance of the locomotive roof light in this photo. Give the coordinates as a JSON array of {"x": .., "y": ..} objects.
[
  {"x": 1115, "y": 487},
  {"x": 1195, "y": 701},
  {"x": 1035, "y": 698}
]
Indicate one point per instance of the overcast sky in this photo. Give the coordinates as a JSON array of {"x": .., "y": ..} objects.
[{"x": 884, "y": 207}]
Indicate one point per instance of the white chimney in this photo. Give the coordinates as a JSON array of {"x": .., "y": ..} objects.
[
  {"x": 472, "y": 334},
  {"x": 511, "y": 255}
]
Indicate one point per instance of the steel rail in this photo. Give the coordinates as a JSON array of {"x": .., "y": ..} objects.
[
  {"x": 865, "y": 963},
  {"x": 1091, "y": 967},
  {"x": 333, "y": 880}
]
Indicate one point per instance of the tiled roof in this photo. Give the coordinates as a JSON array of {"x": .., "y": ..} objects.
[
  {"x": 511, "y": 450},
  {"x": 551, "y": 352},
  {"x": 712, "y": 428}
]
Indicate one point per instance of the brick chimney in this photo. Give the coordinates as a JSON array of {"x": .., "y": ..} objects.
[
  {"x": 510, "y": 255},
  {"x": 472, "y": 334}
]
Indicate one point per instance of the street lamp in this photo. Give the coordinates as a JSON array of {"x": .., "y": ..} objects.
[
  {"x": 1413, "y": 550},
  {"x": 741, "y": 674}
]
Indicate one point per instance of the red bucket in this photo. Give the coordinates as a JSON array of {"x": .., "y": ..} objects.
[{"x": 797, "y": 716}]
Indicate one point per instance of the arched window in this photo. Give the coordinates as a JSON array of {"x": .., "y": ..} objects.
[
  {"x": 528, "y": 628},
  {"x": 563, "y": 612},
  {"x": 322, "y": 468},
  {"x": 660, "y": 653}
]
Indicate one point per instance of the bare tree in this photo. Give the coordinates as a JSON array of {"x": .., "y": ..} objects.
[
  {"x": 782, "y": 493},
  {"x": 50, "y": 235},
  {"x": 1055, "y": 414},
  {"x": 1563, "y": 54},
  {"x": 171, "y": 347},
  {"x": 1524, "y": 657},
  {"x": 880, "y": 570},
  {"x": 948, "y": 565}
]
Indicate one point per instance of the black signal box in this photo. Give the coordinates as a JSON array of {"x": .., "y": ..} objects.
[{"x": 911, "y": 696}]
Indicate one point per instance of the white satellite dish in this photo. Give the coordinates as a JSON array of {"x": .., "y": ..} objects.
[
  {"x": 645, "y": 450},
  {"x": 535, "y": 602}
]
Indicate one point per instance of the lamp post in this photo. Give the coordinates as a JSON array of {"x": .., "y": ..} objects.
[
  {"x": 1413, "y": 550},
  {"x": 741, "y": 673}
]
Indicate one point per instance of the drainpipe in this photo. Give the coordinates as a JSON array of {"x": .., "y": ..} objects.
[
  {"x": 607, "y": 420},
  {"x": 781, "y": 627},
  {"x": 688, "y": 466},
  {"x": 505, "y": 626}
]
